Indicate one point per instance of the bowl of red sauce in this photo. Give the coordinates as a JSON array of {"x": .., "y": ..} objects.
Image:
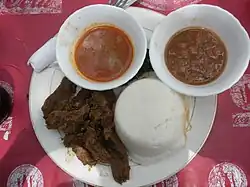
[
  {"x": 100, "y": 47},
  {"x": 200, "y": 50}
]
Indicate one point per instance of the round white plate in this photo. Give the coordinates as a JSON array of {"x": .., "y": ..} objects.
[{"x": 44, "y": 83}]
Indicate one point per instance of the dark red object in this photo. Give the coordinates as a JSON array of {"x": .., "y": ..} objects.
[{"x": 5, "y": 104}]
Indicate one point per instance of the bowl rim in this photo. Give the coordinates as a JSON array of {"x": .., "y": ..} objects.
[
  {"x": 110, "y": 84},
  {"x": 197, "y": 90}
]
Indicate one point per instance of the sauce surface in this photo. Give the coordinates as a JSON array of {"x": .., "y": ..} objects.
[
  {"x": 103, "y": 53},
  {"x": 195, "y": 56}
]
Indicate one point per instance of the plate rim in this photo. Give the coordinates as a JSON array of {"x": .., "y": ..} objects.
[{"x": 185, "y": 164}]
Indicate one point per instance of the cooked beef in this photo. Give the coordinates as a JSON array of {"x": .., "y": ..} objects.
[
  {"x": 102, "y": 114},
  {"x": 95, "y": 114},
  {"x": 103, "y": 99},
  {"x": 59, "y": 97},
  {"x": 107, "y": 120},
  {"x": 114, "y": 142},
  {"x": 79, "y": 100},
  {"x": 110, "y": 97},
  {"x": 94, "y": 145},
  {"x": 64, "y": 119},
  {"x": 84, "y": 156},
  {"x": 87, "y": 120},
  {"x": 98, "y": 100},
  {"x": 69, "y": 140},
  {"x": 120, "y": 167}
]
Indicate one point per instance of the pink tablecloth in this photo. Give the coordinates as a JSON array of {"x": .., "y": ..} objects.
[{"x": 223, "y": 161}]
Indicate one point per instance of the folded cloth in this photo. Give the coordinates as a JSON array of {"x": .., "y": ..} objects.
[{"x": 44, "y": 56}]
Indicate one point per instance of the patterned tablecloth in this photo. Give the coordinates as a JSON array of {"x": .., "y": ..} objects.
[{"x": 224, "y": 161}]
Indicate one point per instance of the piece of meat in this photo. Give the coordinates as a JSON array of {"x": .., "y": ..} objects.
[
  {"x": 105, "y": 98},
  {"x": 120, "y": 167},
  {"x": 107, "y": 120},
  {"x": 79, "y": 100},
  {"x": 114, "y": 142},
  {"x": 102, "y": 104},
  {"x": 110, "y": 97},
  {"x": 55, "y": 119},
  {"x": 87, "y": 121},
  {"x": 98, "y": 100},
  {"x": 94, "y": 146},
  {"x": 82, "y": 95},
  {"x": 76, "y": 139},
  {"x": 103, "y": 114},
  {"x": 73, "y": 128},
  {"x": 84, "y": 156},
  {"x": 64, "y": 119},
  {"x": 95, "y": 114},
  {"x": 69, "y": 140},
  {"x": 58, "y": 98}
]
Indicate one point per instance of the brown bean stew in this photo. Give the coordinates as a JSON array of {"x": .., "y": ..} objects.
[{"x": 195, "y": 56}]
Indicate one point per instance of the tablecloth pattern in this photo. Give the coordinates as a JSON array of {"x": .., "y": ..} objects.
[{"x": 223, "y": 161}]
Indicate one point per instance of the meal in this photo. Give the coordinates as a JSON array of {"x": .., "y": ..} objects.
[
  {"x": 103, "y": 53},
  {"x": 196, "y": 56},
  {"x": 87, "y": 120},
  {"x": 151, "y": 120}
]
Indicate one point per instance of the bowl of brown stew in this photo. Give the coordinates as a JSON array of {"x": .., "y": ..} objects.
[
  {"x": 100, "y": 47},
  {"x": 200, "y": 50}
]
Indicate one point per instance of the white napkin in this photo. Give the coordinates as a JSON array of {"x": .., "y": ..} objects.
[{"x": 44, "y": 56}]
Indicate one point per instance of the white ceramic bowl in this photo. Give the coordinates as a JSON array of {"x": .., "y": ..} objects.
[
  {"x": 73, "y": 28},
  {"x": 218, "y": 20}
]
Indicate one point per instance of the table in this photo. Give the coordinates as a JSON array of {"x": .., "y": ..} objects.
[{"x": 223, "y": 161}]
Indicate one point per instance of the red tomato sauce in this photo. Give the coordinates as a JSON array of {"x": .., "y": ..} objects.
[{"x": 103, "y": 53}]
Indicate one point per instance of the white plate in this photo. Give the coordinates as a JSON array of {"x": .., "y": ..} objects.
[{"x": 44, "y": 83}]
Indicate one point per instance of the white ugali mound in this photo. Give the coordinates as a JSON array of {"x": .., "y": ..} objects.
[{"x": 150, "y": 120}]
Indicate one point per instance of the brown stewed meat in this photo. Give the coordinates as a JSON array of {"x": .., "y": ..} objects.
[
  {"x": 59, "y": 98},
  {"x": 87, "y": 120}
]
